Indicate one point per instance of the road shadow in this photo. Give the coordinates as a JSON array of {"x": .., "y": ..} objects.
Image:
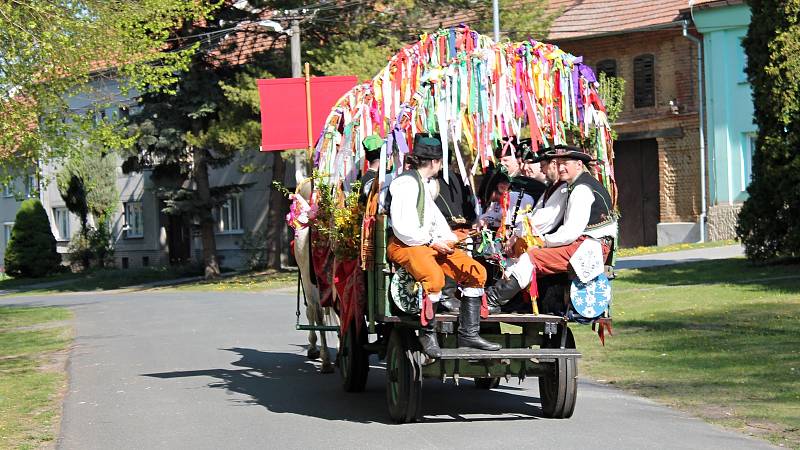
[{"x": 289, "y": 383}]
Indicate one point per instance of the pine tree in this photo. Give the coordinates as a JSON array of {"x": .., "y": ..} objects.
[
  {"x": 31, "y": 252},
  {"x": 768, "y": 223}
]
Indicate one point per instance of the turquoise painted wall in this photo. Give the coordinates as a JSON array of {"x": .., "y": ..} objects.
[{"x": 730, "y": 130}]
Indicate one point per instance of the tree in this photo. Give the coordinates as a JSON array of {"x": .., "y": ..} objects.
[
  {"x": 53, "y": 49},
  {"x": 366, "y": 34},
  {"x": 206, "y": 123},
  {"x": 31, "y": 252},
  {"x": 518, "y": 20},
  {"x": 88, "y": 185},
  {"x": 768, "y": 225}
]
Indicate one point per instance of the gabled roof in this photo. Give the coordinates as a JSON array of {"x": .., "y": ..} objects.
[{"x": 585, "y": 18}]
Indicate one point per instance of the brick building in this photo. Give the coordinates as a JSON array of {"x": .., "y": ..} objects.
[{"x": 657, "y": 152}]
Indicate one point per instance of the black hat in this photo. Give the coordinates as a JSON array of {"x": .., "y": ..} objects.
[
  {"x": 427, "y": 146},
  {"x": 526, "y": 151},
  {"x": 500, "y": 175},
  {"x": 565, "y": 151}
]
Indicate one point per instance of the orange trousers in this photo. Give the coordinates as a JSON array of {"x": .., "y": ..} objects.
[
  {"x": 428, "y": 267},
  {"x": 550, "y": 260}
]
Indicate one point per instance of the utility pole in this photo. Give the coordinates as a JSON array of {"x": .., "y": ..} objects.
[
  {"x": 496, "y": 19},
  {"x": 297, "y": 72}
]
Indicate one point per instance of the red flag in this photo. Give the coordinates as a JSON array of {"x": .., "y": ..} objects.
[{"x": 283, "y": 109}]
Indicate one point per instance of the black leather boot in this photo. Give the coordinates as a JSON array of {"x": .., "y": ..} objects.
[
  {"x": 449, "y": 302},
  {"x": 428, "y": 341},
  {"x": 469, "y": 325},
  {"x": 501, "y": 292},
  {"x": 449, "y": 305}
]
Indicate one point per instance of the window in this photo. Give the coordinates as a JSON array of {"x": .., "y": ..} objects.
[
  {"x": 61, "y": 218},
  {"x": 644, "y": 83},
  {"x": 134, "y": 226},
  {"x": 7, "y": 227},
  {"x": 31, "y": 186},
  {"x": 228, "y": 215},
  {"x": 8, "y": 188},
  {"x": 608, "y": 67}
]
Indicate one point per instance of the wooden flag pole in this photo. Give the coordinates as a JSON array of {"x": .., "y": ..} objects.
[{"x": 308, "y": 109}]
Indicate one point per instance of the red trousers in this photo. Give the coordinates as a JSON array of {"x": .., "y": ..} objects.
[
  {"x": 550, "y": 260},
  {"x": 428, "y": 267}
]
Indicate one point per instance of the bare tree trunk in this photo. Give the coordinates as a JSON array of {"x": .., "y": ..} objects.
[
  {"x": 206, "y": 219},
  {"x": 275, "y": 218}
]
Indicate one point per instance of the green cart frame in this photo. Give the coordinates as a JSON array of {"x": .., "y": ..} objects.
[{"x": 538, "y": 345}]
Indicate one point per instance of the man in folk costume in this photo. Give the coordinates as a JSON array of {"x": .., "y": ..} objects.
[
  {"x": 587, "y": 214},
  {"x": 508, "y": 192},
  {"x": 510, "y": 155},
  {"x": 372, "y": 153},
  {"x": 525, "y": 178},
  {"x": 423, "y": 245}
]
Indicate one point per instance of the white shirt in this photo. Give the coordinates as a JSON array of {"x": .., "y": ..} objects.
[
  {"x": 405, "y": 219},
  {"x": 546, "y": 214},
  {"x": 576, "y": 217},
  {"x": 494, "y": 211}
]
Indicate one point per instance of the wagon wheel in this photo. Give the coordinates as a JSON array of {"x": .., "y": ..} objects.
[
  {"x": 558, "y": 389},
  {"x": 353, "y": 358},
  {"x": 487, "y": 382},
  {"x": 403, "y": 377}
]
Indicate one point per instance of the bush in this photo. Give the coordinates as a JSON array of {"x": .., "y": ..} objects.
[
  {"x": 254, "y": 245},
  {"x": 31, "y": 252},
  {"x": 92, "y": 248}
]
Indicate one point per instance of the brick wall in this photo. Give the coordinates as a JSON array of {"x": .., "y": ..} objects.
[
  {"x": 678, "y": 137},
  {"x": 675, "y": 67}
]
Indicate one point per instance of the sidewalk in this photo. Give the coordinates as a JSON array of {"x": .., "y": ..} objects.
[
  {"x": 683, "y": 256},
  {"x": 131, "y": 288}
]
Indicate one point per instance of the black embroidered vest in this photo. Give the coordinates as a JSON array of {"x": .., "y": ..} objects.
[{"x": 601, "y": 213}]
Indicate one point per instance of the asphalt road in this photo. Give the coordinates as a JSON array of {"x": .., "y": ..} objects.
[
  {"x": 679, "y": 257},
  {"x": 221, "y": 370}
]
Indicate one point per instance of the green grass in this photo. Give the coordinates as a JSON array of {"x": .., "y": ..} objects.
[
  {"x": 30, "y": 385},
  {"x": 248, "y": 282},
  {"x": 636, "y": 251},
  {"x": 94, "y": 280},
  {"x": 717, "y": 338}
]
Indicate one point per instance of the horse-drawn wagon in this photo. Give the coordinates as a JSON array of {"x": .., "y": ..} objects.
[{"x": 471, "y": 92}]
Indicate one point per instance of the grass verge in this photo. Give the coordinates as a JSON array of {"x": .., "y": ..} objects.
[
  {"x": 247, "y": 282},
  {"x": 719, "y": 339},
  {"x": 636, "y": 251},
  {"x": 96, "y": 280},
  {"x": 32, "y": 376}
]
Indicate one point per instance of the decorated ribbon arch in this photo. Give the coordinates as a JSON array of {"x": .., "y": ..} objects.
[
  {"x": 472, "y": 92},
  {"x": 469, "y": 90}
]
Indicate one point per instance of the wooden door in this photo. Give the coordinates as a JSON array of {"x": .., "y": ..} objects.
[
  {"x": 179, "y": 240},
  {"x": 636, "y": 171}
]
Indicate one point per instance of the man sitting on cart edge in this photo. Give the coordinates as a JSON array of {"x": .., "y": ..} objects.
[
  {"x": 423, "y": 244},
  {"x": 588, "y": 215}
]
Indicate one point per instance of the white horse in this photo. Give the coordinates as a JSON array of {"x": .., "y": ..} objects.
[{"x": 315, "y": 312}]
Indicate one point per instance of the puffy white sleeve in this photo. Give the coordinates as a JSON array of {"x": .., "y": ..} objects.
[
  {"x": 576, "y": 217},
  {"x": 548, "y": 214},
  {"x": 403, "y": 212}
]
